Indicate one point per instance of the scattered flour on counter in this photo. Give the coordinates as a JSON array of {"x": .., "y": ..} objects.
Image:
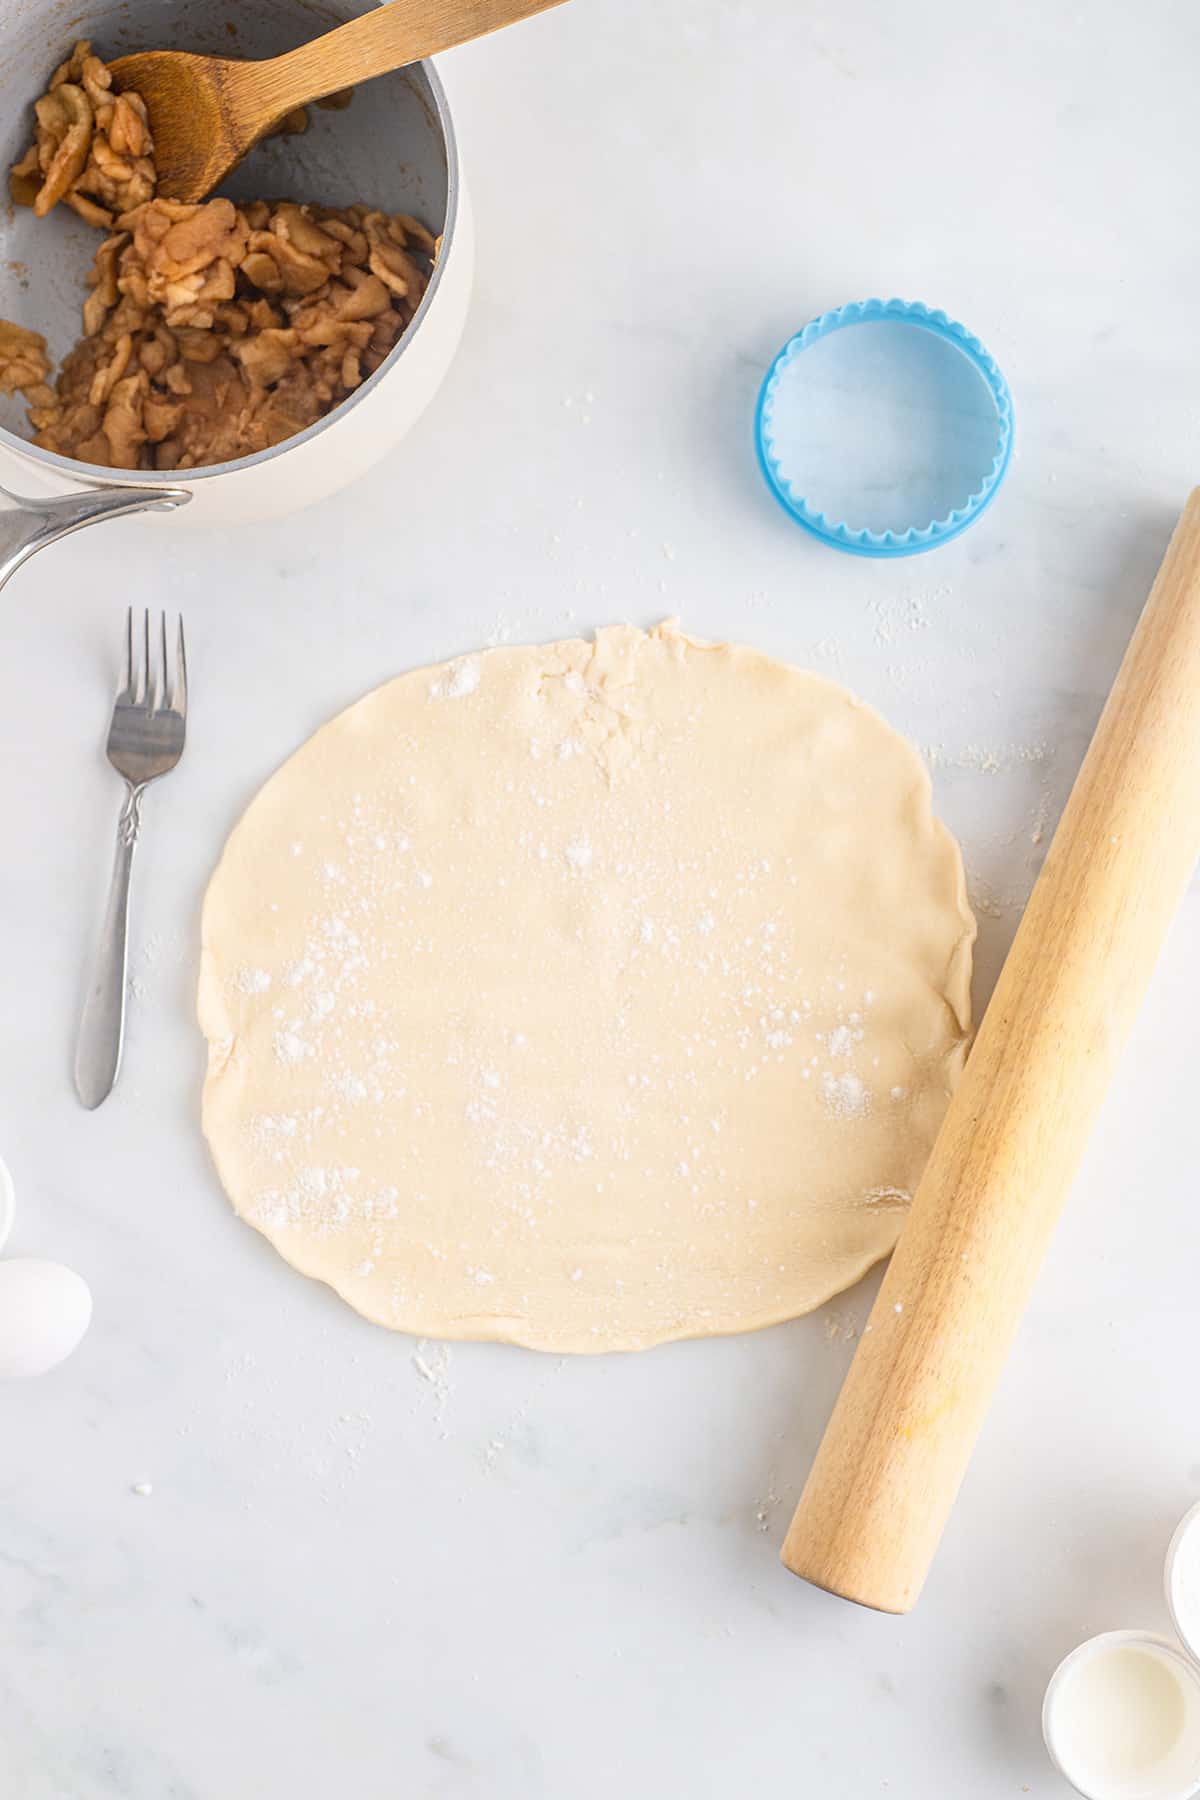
[
  {"x": 986, "y": 902},
  {"x": 158, "y": 953},
  {"x": 432, "y": 1364},
  {"x": 840, "y": 1328},
  {"x": 766, "y": 1506},
  {"x": 506, "y": 626},
  {"x": 908, "y": 612},
  {"x": 349, "y": 1433},
  {"x": 985, "y": 759}
]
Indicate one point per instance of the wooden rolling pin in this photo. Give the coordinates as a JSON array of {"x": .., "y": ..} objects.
[{"x": 896, "y": 1449}]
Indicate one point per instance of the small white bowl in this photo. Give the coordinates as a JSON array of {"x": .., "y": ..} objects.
[
  {"x": 1183, "y": 1558},
  {"x": 8, "y": 1204},
  {"x": 1077, "y": 1743}
]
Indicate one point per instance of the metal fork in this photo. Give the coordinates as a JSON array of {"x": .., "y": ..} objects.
[{"x": 145, "y": 740}]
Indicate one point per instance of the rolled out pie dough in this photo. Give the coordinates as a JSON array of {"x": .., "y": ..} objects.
[{"x": 586, "y": 996}]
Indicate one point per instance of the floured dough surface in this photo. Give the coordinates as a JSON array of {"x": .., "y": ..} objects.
[{"x": 586, "y": 996}]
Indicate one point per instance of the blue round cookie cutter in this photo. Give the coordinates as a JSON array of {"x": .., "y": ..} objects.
[{"x": 861, "y": 540}]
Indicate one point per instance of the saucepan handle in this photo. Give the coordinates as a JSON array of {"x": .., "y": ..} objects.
[{"x": 28, "y": 525}]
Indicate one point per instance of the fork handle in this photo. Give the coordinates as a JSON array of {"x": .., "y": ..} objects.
[{"x": 102, "y": 1027}]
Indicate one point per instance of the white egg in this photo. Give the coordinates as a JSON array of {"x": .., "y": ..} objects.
[
  {"x": 8, "y": 1203},
  {"x": 45, "y": 1309}
]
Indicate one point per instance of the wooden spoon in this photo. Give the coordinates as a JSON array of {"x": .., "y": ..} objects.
[{"x": 206, "y": 112}]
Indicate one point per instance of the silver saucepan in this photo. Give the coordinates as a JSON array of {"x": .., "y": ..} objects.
[{"x": 393, "y": 147}]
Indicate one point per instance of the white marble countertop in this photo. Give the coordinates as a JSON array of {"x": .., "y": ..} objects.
[{"x": 477, "y": 1573}]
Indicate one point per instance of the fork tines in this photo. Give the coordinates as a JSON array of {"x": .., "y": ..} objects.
[{"x": 155, "y": 691}]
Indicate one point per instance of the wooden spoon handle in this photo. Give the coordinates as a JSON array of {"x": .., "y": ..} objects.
[
  {"x": 897, "y": 1446},
  {"x": 388, "y": 38}
]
